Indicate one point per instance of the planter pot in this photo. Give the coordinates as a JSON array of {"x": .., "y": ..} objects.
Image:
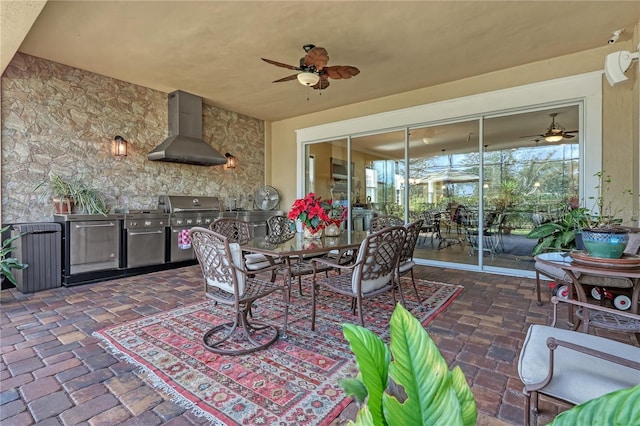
[
  {"x": 312, "y": 233},
  {"x": 605, "y": 243},
  {"x": 333, "y": 230},
  {"x": 579, "y": 242},
  {"x": 63, "y": 205}
]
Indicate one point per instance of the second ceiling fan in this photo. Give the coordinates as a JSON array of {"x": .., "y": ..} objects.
[
  {"x": 313, "y": 68},
  {"x": 555, "y": 132}
]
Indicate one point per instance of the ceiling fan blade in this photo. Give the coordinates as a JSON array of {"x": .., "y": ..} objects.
[
  {"x": 572, "y": 131},
  {"x": 567, "y": 136},
  {"x": 280, "y": 64},
  {"x": 322, "y": 84},
  {"x": 532, "y": 136},
  {"x": 288, "y": 78},
  {"x": 341, "y": 71},
  {"x": 318, "y": 57}
]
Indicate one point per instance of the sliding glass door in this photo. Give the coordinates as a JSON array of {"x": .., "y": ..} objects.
[
  {"x": 479, "y": 185},
  {"x": 444, "y": 189}
]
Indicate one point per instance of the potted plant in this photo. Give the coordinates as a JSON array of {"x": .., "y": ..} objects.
[
  {"x": 311, "y": 212},
  {"x": 562, "y": 233},
  {"x": 71, "y": 195},
  {"x": 603, "y": 235},
  {"x": 336, "y": 214}
]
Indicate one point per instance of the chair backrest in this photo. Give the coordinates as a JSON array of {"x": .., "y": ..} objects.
[
  {"x": 490, "y": 219},
  {"x": 436, "y": 220},
  {"x": 413, "y": 232},
  {"x": 384, "y": 221},
  {"x": 236, "y": 231},
  {"x": 460, "y": 215},
  {"x": 280, "y": 225},
  {"x": 378, "y": 259},
  {"x": 220, "y": 261}
]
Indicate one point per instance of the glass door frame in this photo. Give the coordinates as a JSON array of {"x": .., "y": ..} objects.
[{"x": 583, "y": 89}]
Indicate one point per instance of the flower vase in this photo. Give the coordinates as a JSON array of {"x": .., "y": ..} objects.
[
  {"x": 333, "y": 230},
  {"x": 312, "y": 233}
]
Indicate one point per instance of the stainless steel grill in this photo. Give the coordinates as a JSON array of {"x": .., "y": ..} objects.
[{"x": 185, "y": 212}]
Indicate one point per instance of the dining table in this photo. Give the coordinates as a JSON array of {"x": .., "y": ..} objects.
[
  {"x": 294, "y": 245},
  {"x": 586, "y": 271}
]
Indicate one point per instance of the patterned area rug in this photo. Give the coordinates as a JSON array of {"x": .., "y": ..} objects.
[{"x": 294, "y": 381}]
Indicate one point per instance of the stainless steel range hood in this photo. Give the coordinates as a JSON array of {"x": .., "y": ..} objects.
[{"x": 185, "y": 144}]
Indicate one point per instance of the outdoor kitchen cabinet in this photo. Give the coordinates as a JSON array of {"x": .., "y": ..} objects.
[{"x": 91, "y": 247}]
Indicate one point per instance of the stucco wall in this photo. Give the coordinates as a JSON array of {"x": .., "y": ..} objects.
[
  {"x": 620, "y": 140},
  {"x": 60, "y": 119}
]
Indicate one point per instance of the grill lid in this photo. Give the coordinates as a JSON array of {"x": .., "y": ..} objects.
[{"x": 188, "y": 203}]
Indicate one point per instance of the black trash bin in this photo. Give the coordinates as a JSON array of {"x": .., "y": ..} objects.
[{"x": 40, "y": 247}]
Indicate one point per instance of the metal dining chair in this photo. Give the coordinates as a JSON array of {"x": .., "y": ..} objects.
[
  {"x": 384, "y": 221},
  {"x": 298, "y": 266},
  {"x": 406, "y": 262},
  {"x": 227, "y": 281},
  {"x": 238, "y": 231},
  {"x": 374, "y": 271}
]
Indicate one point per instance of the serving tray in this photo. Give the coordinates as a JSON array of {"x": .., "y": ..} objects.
[{"x": 626, "y": 261}]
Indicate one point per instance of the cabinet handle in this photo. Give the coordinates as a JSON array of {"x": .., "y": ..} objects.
[
  {"x": 146, "y": 233},
  {"x": 106, "y": 225}
]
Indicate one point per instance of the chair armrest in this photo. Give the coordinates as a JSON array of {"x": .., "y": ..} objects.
[
  {"x": 632, "y": 319},
  {"x": 273, "y": 266},
  {"x": 330, "y": 262},
  {"x": 553, "y": 343}
]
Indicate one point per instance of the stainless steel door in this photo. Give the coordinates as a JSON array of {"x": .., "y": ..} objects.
[
  {"x": 145, "y": 246},
  {"x": 94, "y": 245}
]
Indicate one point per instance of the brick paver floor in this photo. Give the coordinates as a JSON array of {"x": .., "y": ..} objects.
[{"x": 52, "y": 372}]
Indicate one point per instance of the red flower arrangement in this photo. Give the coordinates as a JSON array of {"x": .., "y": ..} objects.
[
  {"x": 310, "y": 210},
  {"x": 336, "y": 212}
]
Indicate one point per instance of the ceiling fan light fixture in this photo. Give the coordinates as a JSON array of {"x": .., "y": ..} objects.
[
  {"x": 553, "y": 137},
  {"x": 308, "y": 78}
]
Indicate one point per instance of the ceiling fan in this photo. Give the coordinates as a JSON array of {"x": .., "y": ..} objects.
[
  {"x": 313, "y": 68},
  {"x": 555, "y": 132}
]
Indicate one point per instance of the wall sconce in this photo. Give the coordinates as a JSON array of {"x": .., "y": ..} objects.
[
  {"x": 231, "y": 161},
  {"x": 119, "y": 146}
]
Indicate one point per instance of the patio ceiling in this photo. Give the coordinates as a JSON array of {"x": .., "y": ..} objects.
[{"x": 213, "y": 48}]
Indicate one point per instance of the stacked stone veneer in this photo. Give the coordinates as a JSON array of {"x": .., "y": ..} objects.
[{"x": 61, "y": 120}]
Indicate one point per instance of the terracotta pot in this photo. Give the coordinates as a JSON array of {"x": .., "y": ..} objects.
[{"x": 63, "y": 205}]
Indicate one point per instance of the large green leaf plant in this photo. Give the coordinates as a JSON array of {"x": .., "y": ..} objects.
[
  {"x": 8, "y": 263},
  {"x": 619, "y": 408},
  {"x": 407, "y": 383},
  {"x": 559, "y": 234}
]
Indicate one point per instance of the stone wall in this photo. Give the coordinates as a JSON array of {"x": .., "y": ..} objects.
[{"x": 61, "y": 120}]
